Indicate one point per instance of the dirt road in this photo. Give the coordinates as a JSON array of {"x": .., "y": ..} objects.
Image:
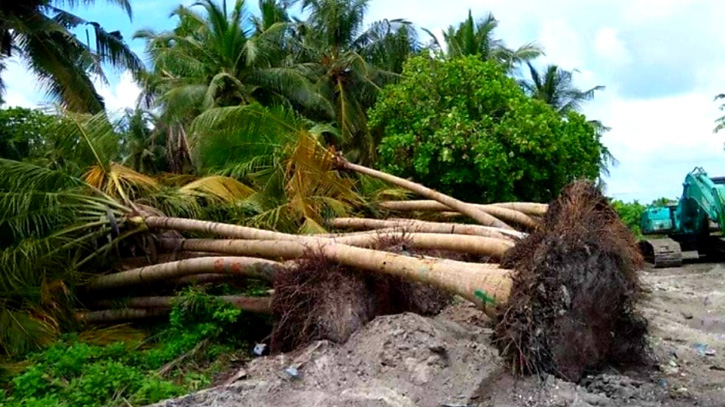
[{"x": 408, "y": 360}]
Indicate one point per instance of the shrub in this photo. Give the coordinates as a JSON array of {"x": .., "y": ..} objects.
[{"x": 464, "y": 127}]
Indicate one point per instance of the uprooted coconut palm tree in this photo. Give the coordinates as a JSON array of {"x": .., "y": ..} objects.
[{"x": 561, "y": 290}]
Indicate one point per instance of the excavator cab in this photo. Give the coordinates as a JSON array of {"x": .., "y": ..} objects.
[{"x": 689, "y": 228}]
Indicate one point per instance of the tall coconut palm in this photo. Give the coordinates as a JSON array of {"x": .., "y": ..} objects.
[
  {"x": 555, "y": 87},
  {"x": 40, "y": 33},
  {"x": 476, "y": 38},
  {"x": 217, "y": 58},
  {"x": 350, "y": 64}
]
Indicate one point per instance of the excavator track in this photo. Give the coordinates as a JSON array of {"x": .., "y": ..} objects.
[{"x": 661, "y": 252}]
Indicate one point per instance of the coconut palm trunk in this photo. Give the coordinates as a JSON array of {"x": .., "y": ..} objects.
[
  {"x": 502, "y": 212},
  {"x": 467, "y": 209},
  {"x": 118, "y": 315},
  {"x": 153, "y": 307},
  {"x": 487, "y": 246},
  {"x": 484, "y": 284},
  {"x": 529, "y": 208},
  {"x": 260, "y": 305},
  {"x": 413, "y": 225},
  {"x": 241, "y": 266}
]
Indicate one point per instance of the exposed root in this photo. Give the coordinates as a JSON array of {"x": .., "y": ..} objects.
[
  {"x": 317, "y": 299},
  {"x": 572, "y": 308}
]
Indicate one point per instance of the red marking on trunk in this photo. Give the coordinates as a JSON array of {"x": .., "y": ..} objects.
[
  {"x": 219, "y": 265},
  {"x": 237, "y": 267}
]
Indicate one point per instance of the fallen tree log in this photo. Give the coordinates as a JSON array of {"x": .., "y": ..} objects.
[
  {"x": 412, "y": 225},
  {"x": 469, "y": 210},
  {"x": 484, "y": 284},
  {"x": 118, "y": 315},
  {"x": 529, "y": 208},
  {"x": 259, "y": 305},
  {"x": 161, "y": 306},
  {"x": 242, "y": 266},
  {"x": 486, "y": 246},
  {"x": 501, "y": 212},
  {"x": 128, "y": 263}
]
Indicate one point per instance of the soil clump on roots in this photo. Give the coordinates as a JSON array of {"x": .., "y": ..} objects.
[
  {"x": 322, "y": 300},
  {"x": 572, "y": 306}
]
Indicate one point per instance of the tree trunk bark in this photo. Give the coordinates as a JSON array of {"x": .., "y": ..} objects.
[
  {"x": 117, "y": 315},
  {"x": 242, "y": 266},
  {"x": 484, "y": 246},
  {"x": 505, "y": 213},
  {"x": 468, "y": 244},
  {"x": 259, "y": 305},
  {"x": 160, "y": 306},
  {"x": 412, "y": 225},
  {"x": 484, "y": 284},
  {"x": 460, "y": 206},
  {"x": 529, "y": 208}
]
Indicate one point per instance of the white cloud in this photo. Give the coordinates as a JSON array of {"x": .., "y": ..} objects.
[
  {"x": 122, "y": 95},
  {"x": 644, "y": 11},
  {"x": 562, "y": 44},
  {"x": 21, "y": 87},
  {"x": 658, "y": 142},
  {"x": 608, "y": 45}
]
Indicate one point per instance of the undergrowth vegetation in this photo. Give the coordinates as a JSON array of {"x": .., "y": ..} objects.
[{"x": 121, "y": 366}]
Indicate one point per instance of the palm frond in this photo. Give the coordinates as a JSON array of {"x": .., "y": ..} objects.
[
  {"x": 217, "y": 188},
  {"x": 125, "y": 5}
]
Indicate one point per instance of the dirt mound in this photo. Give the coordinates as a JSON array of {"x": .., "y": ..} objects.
[
  {"x": 322, "y": 300},
  {"x": 572, "y": 304},
  {"x": 402, "y": 360}
]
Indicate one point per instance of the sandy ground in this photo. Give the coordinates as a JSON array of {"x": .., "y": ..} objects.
[{"x": 448, "y": 361}]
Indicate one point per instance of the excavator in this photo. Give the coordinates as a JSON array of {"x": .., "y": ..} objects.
[{"x": 690, "y": 228}]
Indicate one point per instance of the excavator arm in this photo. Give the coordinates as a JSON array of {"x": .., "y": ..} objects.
[{"x": 701, "y": 203}]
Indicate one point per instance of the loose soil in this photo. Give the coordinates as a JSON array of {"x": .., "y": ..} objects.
[{"x": 449, "y": 360}]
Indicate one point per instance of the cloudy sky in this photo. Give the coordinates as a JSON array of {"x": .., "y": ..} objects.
[{"x": 661, "y": 62}]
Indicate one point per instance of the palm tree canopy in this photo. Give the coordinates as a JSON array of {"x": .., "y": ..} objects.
[
  {"x": 40, "y": 33},
  {"x": 476, "y": 38},
  {"x": 214, "y": 58},
  {"x": 349, "y": 63},
  {"x": 555, "y": 87}
]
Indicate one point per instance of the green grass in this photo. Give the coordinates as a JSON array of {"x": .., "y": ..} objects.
[{"x": 75, "y": 372}]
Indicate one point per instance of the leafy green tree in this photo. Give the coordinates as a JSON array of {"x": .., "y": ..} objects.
[
  {"x": 630, "y": 213},
  {"x": 24, "y": 133},
  {"x": 554, "y": 86},
  {"x": 40, "y": 32},
  {"x": 477, "y": 38},
  {"x": 464, "y": 127}
]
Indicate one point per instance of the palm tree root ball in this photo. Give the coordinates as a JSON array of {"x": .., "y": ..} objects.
[
  {"x": 572, "y": 305},
  {"x": 320, "y": 300}
]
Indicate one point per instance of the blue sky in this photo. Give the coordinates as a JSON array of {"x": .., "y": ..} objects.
[{"x": 660, "y": 60}]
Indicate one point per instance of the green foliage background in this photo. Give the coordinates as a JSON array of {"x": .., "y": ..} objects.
[{"x": 465, "y": 128}]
